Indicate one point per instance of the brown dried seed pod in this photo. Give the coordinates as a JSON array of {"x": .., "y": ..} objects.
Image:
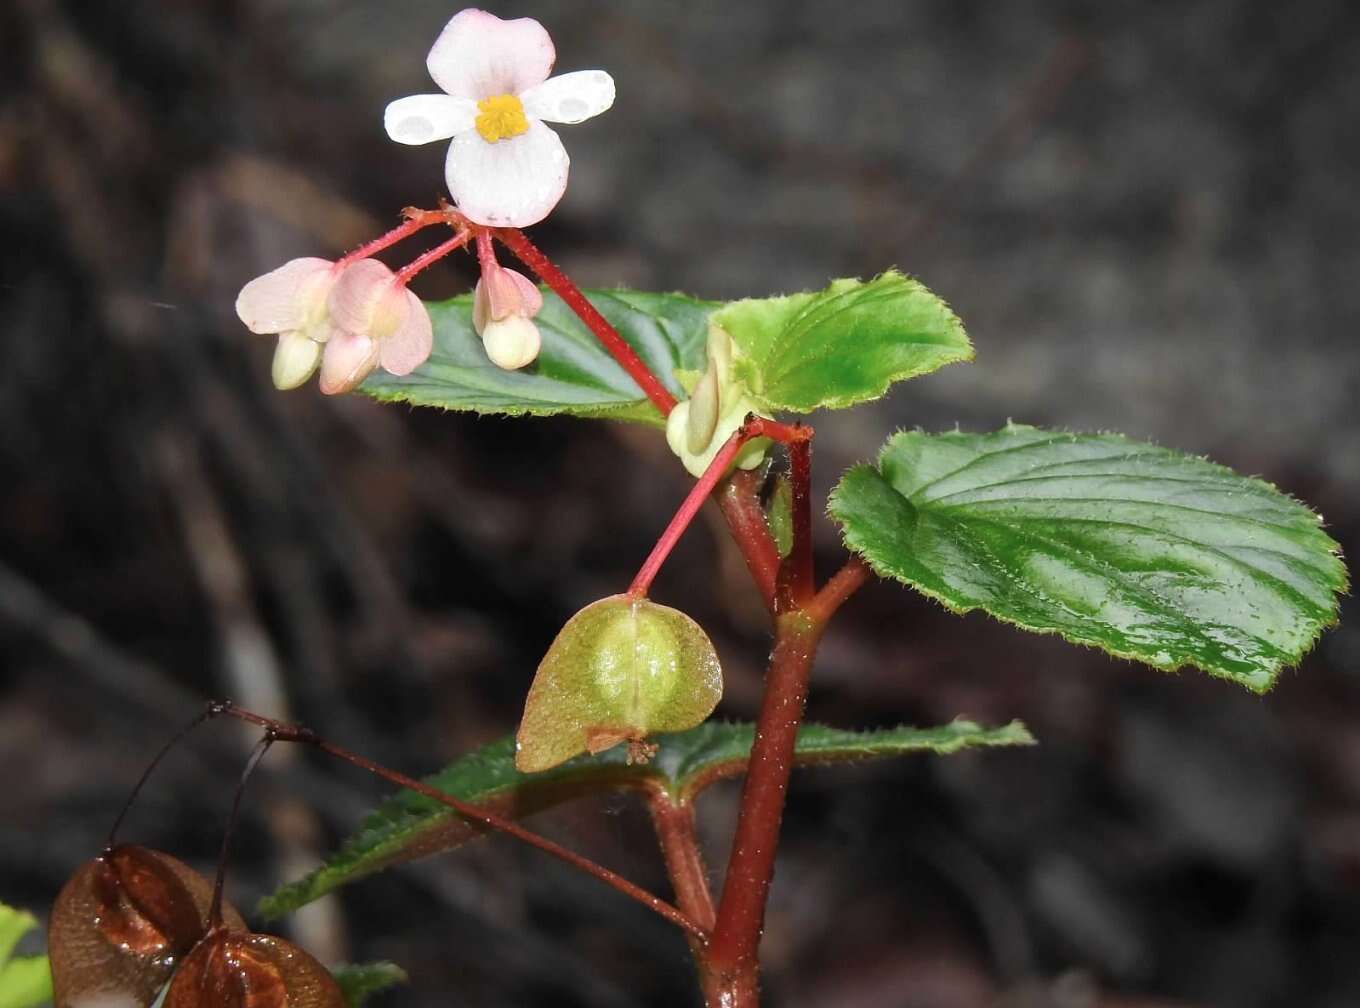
[
  {"x": 122, "y": 923},
  {"x": 233, "y": 968}
]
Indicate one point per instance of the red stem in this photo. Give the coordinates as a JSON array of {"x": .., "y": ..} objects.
[
  {"x": 674, "y": 822},
  {"x": 415, "y": 221},
  {"x": 838, "y": 588},
  {"x": 732, "y": 955},
  {"x": 516, "y": 241},
  {"x": 796, "y": 578},
  {"x": 752, "y": 427},
  {"x": 425, "y": 259},
  {"x": 740, "y": 503},
  {"x": 292, "y": 733}
]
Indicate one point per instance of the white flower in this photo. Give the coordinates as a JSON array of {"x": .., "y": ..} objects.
[{"x": 504, "y": 168}]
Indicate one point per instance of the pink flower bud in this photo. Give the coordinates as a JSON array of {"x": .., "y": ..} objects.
[
  {"x": 504, "y": 303},
  {"x": 501, "y": 293},
  {"x": 348, "y": 359}
]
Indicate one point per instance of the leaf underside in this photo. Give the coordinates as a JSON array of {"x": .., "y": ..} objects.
[
  {"x": 408, "y": 826},
  {"x": 573, "y": 374},
  {"x": 1137, "y": 550}
]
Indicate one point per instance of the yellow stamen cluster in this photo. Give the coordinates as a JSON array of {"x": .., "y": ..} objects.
[{"x": 501, "y": 117}]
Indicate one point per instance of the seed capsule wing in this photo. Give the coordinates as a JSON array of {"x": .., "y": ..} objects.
[
  {"x": 237, "y": 969},
  {"x": 122, "y": 923},
  {"x": 621, "y": 669}
]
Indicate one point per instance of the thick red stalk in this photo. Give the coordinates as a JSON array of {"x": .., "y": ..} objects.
[
  {"x": 292, "y": 733},
  {"x": 516, "y": 241},
  {"x": 796, "y": 578},
  {"x": 732, "y": 960},
  {"x": 739, "y": 499}
]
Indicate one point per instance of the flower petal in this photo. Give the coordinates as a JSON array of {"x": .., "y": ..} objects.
[
  {"x": 570, "y": 98},
  {"x": 357, "y": 293},
  {"x": 510, "y": 183},
  {"x": 478, "y": 55},
  {"x": 346, "y": 361},
  {"x": 423, "y": 118},
  {"x": 409, "y": 346},
  {"x": 279, "y": 300}
]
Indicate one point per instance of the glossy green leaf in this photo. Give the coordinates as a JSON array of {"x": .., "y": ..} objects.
[
  {"x": 573, "y": 373},
  {"x": 409, "y": 826},
  {"x": 1135, "y": 549},
  {"x": 25, "y": 981},
  {"x": 359, "y": 981},
  {"x": 842, "y": 345}
]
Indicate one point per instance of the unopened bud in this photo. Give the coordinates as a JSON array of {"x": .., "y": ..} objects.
[
  {"x": 348, "y": 359},
  {"x": 501, "y": 293},
  {"x": 512, "y": 343},
  {"x": 621, "y": 669},
  {"x": 295, "y": 360},
  {"x": 704, "y": 411}
]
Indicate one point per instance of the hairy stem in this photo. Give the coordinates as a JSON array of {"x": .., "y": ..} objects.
[
  {"x": 426, "y": 259},
  {"x": 415, "y": 221},
  {"x": 752, "y": 427},
  {"x": 674, "y": 822},
  {"x": 796, "y": 577},
  {"x": 739, "y": 499},
  {"x": 525, "y": 250},
  {"x": 732, "y": 955},
  {"x": 293, "y": 733},
  {"x": 852, "y": 576}
]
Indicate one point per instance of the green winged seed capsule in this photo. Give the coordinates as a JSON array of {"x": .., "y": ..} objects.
[{"x": 621, "y": 669}]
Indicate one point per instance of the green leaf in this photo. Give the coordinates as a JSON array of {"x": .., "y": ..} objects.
[
  {"x": 1135, "y": 549},
  {"x": 843, "y": 345},
  {"x": 26, "y": 980},
  {"x": 409, "y": 826},
  {"x": 573, "y": 374},
  {"x": 358, "y": 981}
]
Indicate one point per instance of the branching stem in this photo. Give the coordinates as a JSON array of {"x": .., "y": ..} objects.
[
  {"x": 415, "y": 221},
  {"x": 426, "y": 259},
  {"x": 292, "y": 733},
  {"x": 752, "y": 427}
]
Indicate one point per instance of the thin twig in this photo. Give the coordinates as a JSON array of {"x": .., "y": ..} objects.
[{"x": 294, "y": 733}]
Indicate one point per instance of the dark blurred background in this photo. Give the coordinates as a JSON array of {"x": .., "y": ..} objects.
[{"x": 1147, "y": 216}]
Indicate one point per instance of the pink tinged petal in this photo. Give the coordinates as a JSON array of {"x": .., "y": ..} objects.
[
  {"x": 510, "y": 183},
  {"x": 410, "y": 344},
  {"x": 570, "y": 98},
  {"x": 530, "y": 297},
  {"x": 478, "y": 55},
  {"x": 424, "y": 118},
  {"x": 357, "y": 294},
  {"x": 346, "y": 361},
  {"x": 282, "y": 299},
  {"x": 500, "y": 293}
]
